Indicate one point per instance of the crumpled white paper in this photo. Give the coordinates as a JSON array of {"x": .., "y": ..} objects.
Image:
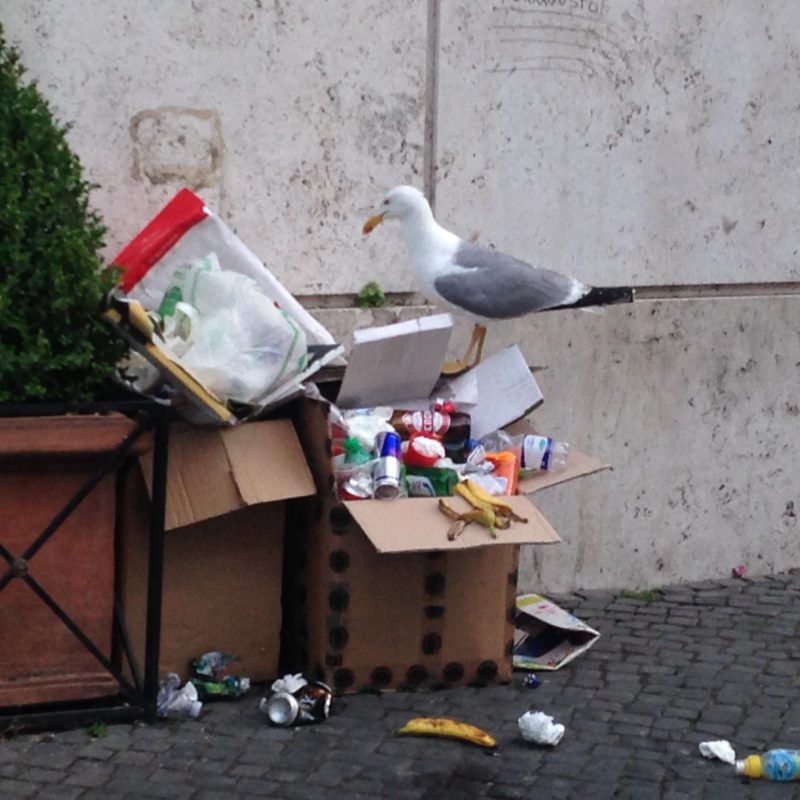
[
  {"x": 538, "y": 727},
  {"x": 720, "y": 749},
  {"x": 289, "y": 683}
]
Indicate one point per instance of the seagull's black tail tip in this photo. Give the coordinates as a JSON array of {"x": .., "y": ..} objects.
[{"x": 604, "y": 296}]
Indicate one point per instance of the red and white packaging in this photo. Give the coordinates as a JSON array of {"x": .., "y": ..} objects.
[{"x": 185, "y": 230}]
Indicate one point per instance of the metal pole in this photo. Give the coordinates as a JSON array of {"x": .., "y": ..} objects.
[{"x": 155, "y": 576}]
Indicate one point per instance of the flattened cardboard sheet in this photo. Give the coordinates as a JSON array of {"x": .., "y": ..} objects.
[
  {"x": 394, "y": 362},
  {"x": 415, "y": 524}
]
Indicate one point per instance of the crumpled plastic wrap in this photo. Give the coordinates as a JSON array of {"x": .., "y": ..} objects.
[
  {"x": 289, "y": 683},
  {"x": 539, "y": 728},
  {"x": 720, "y": 749}
]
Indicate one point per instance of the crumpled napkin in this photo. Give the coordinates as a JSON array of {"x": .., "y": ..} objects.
[
  {"x": 720, "y": 749},
  {"x": 289, "y": 683},
  {"x": 538, "y": 727}
]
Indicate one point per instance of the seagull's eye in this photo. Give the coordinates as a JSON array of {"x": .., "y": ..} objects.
[{"x": 386, "y": 202}]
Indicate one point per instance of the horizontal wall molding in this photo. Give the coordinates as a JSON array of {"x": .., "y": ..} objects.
[{"x": 684, "y": 292}]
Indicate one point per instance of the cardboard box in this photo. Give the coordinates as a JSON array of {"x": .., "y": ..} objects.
[
  {"x": 223, "y": 555},
  {"x": 389, "y": 602}
]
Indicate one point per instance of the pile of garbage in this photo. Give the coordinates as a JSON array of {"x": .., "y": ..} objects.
[{"x": 386, "y": 453}]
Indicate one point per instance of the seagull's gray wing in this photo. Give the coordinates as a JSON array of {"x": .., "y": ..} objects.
[{"x": 494, "y": 285}]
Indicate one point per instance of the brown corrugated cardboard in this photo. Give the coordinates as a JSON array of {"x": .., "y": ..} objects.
[
  {"x": 414, "y": 524},
  {"x": 223, "y": 556},
  {"x": 389, "y": 602}
]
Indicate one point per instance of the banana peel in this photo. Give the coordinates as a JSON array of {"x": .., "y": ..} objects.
[
  {"x": 485, "y": 516},
  {"x": 448, "y": 729},
  {"x": 477, "y": 496}
]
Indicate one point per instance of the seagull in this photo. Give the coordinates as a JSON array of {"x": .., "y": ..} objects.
[{"x": 479, "y": 283}]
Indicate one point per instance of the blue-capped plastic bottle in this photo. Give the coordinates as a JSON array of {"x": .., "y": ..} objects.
[{"x": 776, "y": 765}]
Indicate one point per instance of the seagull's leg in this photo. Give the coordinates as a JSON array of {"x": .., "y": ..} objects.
[
  {"x": 479, "y": 334},
  {"x": 457, "y": 367}
]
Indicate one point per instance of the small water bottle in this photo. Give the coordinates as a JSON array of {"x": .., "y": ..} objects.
[
  {"x": 536, "y": 453},
  {"x": 543, "y": 453},
  {"x": 776, "y": 765}
]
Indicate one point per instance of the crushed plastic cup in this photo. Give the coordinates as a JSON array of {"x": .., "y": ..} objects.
[{"x": 175, "y": 701}]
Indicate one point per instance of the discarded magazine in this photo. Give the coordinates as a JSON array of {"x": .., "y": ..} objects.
[{"x": 547, "y": 636}]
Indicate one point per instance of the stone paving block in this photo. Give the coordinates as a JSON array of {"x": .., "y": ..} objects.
[
  {"x": 9, "y": 770},
  {"x": 11, "y": 787},
  {"x": 59, "y": 792},
  {"x": 49, "y": 754},
  {"x": 145, "y": 788},
  {"x": 95, "y": 751},
  {"x": 89, "y": 773}
]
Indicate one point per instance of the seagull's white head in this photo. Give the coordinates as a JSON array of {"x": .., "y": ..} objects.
[{"x": 399, "y": 203}]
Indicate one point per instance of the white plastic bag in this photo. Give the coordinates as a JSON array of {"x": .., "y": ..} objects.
[{"x": 228, "y": 333}]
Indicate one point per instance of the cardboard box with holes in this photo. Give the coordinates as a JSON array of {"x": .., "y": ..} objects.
[{"x": 382, "y": 596}]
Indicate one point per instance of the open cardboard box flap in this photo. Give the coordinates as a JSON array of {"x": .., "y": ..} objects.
[
  {"x": 578, "y": 464},
  {"x": 416, "y": 524},
  {"x": 212, "y": 472}
]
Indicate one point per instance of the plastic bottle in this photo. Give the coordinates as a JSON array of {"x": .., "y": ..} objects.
[
  {"x": 537, "y": 453},
  {"x": 776, "y": 765}
]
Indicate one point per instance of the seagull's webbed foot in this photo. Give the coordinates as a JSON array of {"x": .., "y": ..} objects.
[{"x": 454, "y": 368}]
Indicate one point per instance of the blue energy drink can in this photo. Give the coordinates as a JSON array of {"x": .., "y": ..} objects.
[{"x": 386, "y": 474}]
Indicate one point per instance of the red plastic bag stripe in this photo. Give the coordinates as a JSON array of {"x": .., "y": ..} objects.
[{"x": 182, "y": 213}]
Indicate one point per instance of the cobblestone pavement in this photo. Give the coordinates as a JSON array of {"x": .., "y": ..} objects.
[{"x": 673, "y": 668}]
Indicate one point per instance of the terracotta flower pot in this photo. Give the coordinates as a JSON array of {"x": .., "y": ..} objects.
[{"x": 44, "y": 461}]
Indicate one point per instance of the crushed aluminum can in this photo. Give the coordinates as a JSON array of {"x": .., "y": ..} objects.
[
  {"x": 310, "y": 703},
  {"x": 282, "y": 709},
  {"x": 359, "y": 487},
  {"x": 314, "y": 700},
  {"x": 531, "y": 681}
]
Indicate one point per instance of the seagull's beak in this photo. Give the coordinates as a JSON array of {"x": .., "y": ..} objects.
[{"x": 372, "y": 223}]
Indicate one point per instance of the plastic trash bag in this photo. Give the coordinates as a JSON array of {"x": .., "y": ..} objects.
[{"x": 226, "y": 331}]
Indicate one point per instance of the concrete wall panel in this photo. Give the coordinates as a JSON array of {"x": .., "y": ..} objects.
[
  {"x": 624, "y": 141},
  {"x": 290, "y": 120}
]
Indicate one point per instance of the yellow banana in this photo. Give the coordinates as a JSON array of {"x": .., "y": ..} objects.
[
  {"x": 467, "y": 493},
  {"x": 500, "y": 505},
  {"x": 448, "y": 729}
]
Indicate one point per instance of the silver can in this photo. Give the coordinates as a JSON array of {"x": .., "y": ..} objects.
[
  {"x": 282, "y": 709},
  {"x": 386, "y": 477}
]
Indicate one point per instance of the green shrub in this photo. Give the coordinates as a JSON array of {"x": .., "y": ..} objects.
[{"x": 53, "y": 345}]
